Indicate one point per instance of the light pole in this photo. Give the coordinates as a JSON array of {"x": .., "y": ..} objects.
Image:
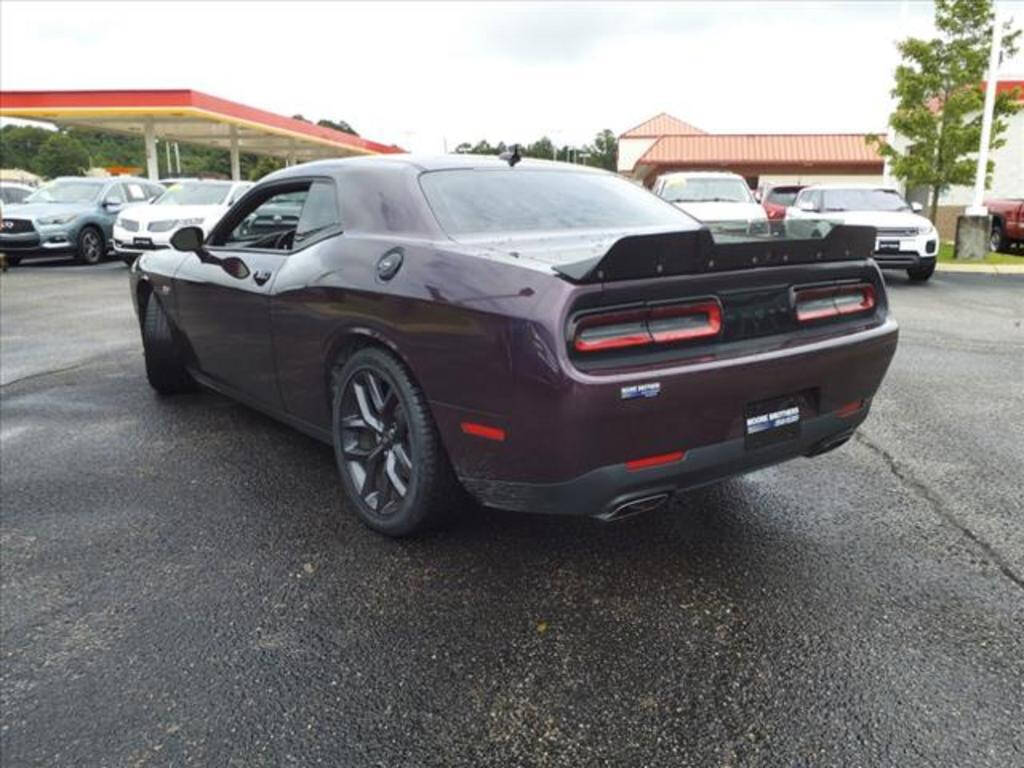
[
  {"x": 972, "y": 229},
  {"x": 977, "y": 205}
]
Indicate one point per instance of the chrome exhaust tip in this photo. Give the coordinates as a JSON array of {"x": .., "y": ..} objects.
[{"x": 634, "y": 507}]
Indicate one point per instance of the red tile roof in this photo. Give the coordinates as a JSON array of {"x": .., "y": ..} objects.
[
  {"x": 661, "y": 125},
  {"x": 737, "y": 149}
]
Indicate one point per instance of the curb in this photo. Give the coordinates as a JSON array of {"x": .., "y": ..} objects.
[{"x": 986, "y": 269}]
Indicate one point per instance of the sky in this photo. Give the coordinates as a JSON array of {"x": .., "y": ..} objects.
[{"x": 430, "y": 75}]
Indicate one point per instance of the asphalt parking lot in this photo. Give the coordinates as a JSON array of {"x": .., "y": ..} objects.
[{"x": 180, "y": 584}]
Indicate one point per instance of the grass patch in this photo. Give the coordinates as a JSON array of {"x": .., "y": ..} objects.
[{"x": 946, "y": 254}]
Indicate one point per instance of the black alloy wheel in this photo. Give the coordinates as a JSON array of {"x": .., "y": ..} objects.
[
  {"x": 394, "y": 469},
  {"x": 375, "y": 442},
  {"x": 90, "y": 246}
]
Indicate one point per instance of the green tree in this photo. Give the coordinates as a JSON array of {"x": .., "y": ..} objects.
[
  {"x": 939, "y": 98},
  {"x": 261, "y": 166},
  {"x": 62, "y": 155},
  {"x": 604, "y": 151},
  {"x": 20, "y": 144},
  {"x": 542, "y": 148},
  {"x": 338, "y": 125}
]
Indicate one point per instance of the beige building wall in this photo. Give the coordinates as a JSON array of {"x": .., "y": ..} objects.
[{"x": 631, "y": 150}]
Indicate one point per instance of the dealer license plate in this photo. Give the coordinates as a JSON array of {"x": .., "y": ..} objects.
[
  {"x": 143, "y": 241},
  {"x": 772, "y": 421},
  {"x": 888, "y": 246}
]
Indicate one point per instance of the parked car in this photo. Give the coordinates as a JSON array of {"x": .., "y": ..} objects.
[
  {"x": 905, "y": 239},
  {"x": 70, "y": 215},
  {"x": 713, "y": 197},
  {"x": 188, "y": 203},
  {"x": 548, "y": 337},
  {"x": 1007, "y": 222},
  {"x": 776, "y": 199},
  {"x": 13, "y": 192}
]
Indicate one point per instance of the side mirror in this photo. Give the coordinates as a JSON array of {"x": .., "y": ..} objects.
[
  {"x": 916, "y": 207},
  {"x": 807, "y": 206},
  {"x": 112, "y": 206},
  {"x": 187, "y": 239}
]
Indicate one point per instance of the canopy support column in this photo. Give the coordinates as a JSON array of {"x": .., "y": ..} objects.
[
  {"x": 236, "y": 171},
  {"x": 152, "y": 168}
]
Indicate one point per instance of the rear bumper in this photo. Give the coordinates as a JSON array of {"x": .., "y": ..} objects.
[
  {"x": 567, "y": 447},
  {"x": 601, "y": 491}
]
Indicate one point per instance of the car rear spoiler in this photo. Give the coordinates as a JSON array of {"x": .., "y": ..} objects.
[{"x": 635, "y": 257}]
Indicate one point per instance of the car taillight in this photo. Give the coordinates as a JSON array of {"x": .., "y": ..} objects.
[
  {"x": 612, "y": 331},
  {"x": 833, "y": 301},
  {"x": 682, "y": 323},
  {"x": 652, "y": 325}
]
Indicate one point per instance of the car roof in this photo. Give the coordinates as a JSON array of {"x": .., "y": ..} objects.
[{"x": 423, "y": 163}]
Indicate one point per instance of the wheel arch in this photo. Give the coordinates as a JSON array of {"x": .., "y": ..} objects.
[{"x": 350, "y": 340}]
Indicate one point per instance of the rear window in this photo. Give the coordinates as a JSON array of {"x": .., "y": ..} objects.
[
  {"x": 468, "y": 202},
  {"x": 782, "y": 196}
]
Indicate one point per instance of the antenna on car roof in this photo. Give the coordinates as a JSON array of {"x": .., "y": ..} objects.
[{"x": 511, "y": 157}]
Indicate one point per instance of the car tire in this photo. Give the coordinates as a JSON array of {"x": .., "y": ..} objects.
[
  {"x": 90, "y": 246},
  {"x": 998, "y": 241},
  {"x": 394, "y": 469},
  {"x": 920, "y": 274},
  {"x": 165, "y": 365},
  {"x": 13, "y": 261}
]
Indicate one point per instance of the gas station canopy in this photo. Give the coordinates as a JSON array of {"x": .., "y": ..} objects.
[{"x": 191, "y": 117}]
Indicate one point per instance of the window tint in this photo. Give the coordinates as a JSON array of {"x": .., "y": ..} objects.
[
  {"x": 320, "y": 212},
  {"x": 115, "y": 194},
  {"x": 469, "y": 202}
]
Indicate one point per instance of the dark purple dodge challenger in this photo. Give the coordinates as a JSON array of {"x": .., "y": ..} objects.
[{"x": 547, "y": 337}]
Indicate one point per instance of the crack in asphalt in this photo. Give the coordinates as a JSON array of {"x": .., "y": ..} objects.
[
  {"x": 41, "y": 374},
  {"x": 922, "y": 490}
]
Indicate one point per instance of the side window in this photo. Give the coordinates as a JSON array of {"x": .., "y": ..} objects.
[
  {"x": 319, "y": 214},
  {"x": 269, "y": 222},
  {"x": 238, "y": 193},
  {"x": 114, "y": 195},
  {"x": 153, "y": 191}
]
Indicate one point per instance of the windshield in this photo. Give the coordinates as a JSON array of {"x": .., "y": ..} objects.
[
  {"x": 76, "y": 191},
  {"x": 705, "y": 190},
  {"x": 782, "y": 195},
  {"x": 195, "y": 193},
  {"x": 862, "y": 200},
  {"x": 482, "y": 201}
]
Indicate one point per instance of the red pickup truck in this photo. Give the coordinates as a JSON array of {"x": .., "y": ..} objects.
[{"x": 1007, "y": 222}]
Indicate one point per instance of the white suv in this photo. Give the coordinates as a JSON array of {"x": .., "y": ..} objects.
[
  {"x": 904, "y": 239},
  {"x": 199, "y": 203},
  {"x": 712, "y": 197}
]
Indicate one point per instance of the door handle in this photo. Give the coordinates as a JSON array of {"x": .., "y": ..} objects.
[{"x": 260, "y": 276}]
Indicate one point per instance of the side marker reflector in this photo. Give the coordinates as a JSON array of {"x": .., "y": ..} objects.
[
  {"x": 849, "y": 409},
  {"x": 655, "y": 461},
  {"x": 484, "y": 431}
]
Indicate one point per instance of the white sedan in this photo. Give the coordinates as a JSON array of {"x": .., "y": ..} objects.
[
  {"x": 193, "y": 203},
  {"x": 904, "y": 238}
]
